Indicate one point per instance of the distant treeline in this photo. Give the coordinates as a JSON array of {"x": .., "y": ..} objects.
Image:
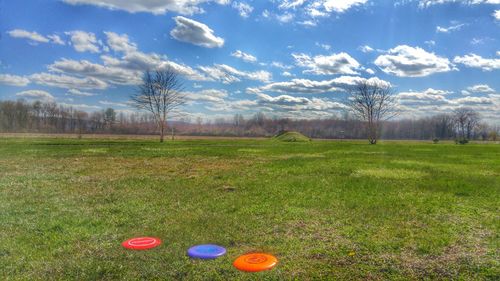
[{"x": 49, "y": 117}]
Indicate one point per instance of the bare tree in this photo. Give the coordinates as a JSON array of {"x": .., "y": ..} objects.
[
  {"x": 466, "y": 120},
  {"x": 160, "y": 93},
  {"x": 80, "y": 121},
  {"x": 443, "y": 126},
  {"x": 42, "y": 117},
  {"x": 238, "y": 120},
  {"x": 372, "y": 103},
  {"x": 109, "y": 117}
]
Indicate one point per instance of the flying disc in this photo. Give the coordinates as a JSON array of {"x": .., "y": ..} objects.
[
  {"x": 207, "y": 251},
  {"x": 255, "y": 262},
  {"x": 141, "y": 243}
]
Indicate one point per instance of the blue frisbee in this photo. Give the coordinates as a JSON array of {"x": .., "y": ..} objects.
[{"x": 207, "y": 251}]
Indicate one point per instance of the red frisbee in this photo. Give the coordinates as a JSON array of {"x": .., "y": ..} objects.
[{"x": 141, "y": 243}]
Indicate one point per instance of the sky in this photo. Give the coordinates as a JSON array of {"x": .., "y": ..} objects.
[{"x": 286, "y": 58}]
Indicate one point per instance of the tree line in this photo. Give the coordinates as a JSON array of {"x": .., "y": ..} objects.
[{"x": 49, "y": 117}]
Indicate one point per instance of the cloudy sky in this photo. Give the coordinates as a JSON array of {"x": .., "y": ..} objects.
[{"x": 289, "y": 58}]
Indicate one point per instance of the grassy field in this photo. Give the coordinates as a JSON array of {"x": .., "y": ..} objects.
[{"x": 326, "y": 209}]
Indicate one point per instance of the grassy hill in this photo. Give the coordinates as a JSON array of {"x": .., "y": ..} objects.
[{"x": 290, "y": 136}]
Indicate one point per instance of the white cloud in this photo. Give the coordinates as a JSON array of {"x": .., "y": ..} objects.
[
  {"x": 322, "y": 8},
  {"x": 430, "y": 43},
  {"x": 227, "y": 106},
  {"x": 36, "y": 95},
  {"x": 308, "y": 23},
  {"x": 480, "y": 88},
  {"x": 84, "y": 41},
  {"x": 483, "y": 40},
  {"x": 244, "y": 56},
  {"x": 406, "y": 61},
  {"x": 208, "y": 95},
  {"x": 56, "y": 39},
  {"x": 496, "y": 14},
  {"x": 315, "y": 12},
  {"x": 139, "y": 62},
  {"x": 456, "y": 27},
  {"x": 76, "y": 92},
  {"x": 300, "y": 106},
  {"x": 340, "y": 63},
  {"x": 291, "y": 4},
  {"x": 427, "y": 97},
  {"x": 324, "y": 46},
  {"x": 420, "y": 104},
  {"x": 35, "y": 37},
  {"x": 126, "y": 70},
  {"x": 115, "y": 75},
  {"x": 197, "y": 33},
  {"x": 306, "y": 86},
  {"x": 68, "y": 82},
  {"x": 285, "y": 18},
  {"x": 219, "y": 73},
  {"x": 13, "y": 80},
  {"x": 427, "y": 3},
  {"x": 366, "y": 49},
  {"x": 157, "y": 7},
  {"x": 110, "y": 103},
  {"x": 283, "y": 100},
  {"x": 228, "y": 74},
  {"x": 476, "y": 61},
  {"x": 468, "y": 101},
  {"x": 370, "y": 71},
  {"x": 340, "y": 6},
  {"x": 81, "y": 106},
  {"x": 287, "y": 74},
  {"x": 120, "y": 42},
  {"x": 281, "y": 65},
  {"x": 243, "y": 8}
]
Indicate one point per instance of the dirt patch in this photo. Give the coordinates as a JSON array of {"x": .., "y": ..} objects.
[{"x": 385, "y": 173}]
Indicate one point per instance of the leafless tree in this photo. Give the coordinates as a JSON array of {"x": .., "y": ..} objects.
[
  {"x": 109, "y": 117},
  {"x": 160, "y": 93},
  {"x": 40, "y": 118},
  {"x": 80, "y": 121},
  {"x": 443, "y": 126},
  {"x": 372, "y": 103},
  {"x": 466, "y": 120},
  {"x": 238, "y": 120}
]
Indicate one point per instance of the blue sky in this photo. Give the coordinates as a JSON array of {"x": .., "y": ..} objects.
[{"x": 291, "y": 58}]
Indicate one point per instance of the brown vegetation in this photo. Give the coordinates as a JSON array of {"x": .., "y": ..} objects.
[{"x": 39, "y": 117}]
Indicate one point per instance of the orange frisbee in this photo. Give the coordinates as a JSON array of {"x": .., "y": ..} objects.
[{"x": 255, "y": 262}]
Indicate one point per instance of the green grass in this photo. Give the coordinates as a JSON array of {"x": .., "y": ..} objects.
[
  {"x": 287, "y": 136},
  {"x": 327, "y": 210}
]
